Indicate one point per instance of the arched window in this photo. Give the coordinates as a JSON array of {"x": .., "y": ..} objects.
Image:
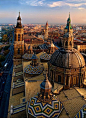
[
  {"x": 42, "y": 95},
  {"x": 70, "y": 43},
  {"x": 85, "y": 51},
  {"x": 47, "y": 95},
  {"x": 18, "y": 51},
  {"x": 15, "y": 37},
  {"x": 18, "y": 37},
  {"x": 66, "y": 43},
  {"x": 22, "y": 37},
  {"x": 59, "y": 79}
]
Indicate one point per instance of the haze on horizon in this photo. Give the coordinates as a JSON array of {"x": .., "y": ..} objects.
[{"x": 40, "y": 11}]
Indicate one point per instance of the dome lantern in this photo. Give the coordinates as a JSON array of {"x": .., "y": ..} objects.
[{"x": 67, "y": 41}]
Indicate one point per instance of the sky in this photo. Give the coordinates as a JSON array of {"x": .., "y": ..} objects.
[{"x": 41, "y": 11}]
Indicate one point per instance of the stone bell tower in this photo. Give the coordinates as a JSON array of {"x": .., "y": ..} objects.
[
  {"x": 18, "y": 38},
  {"x": 67, "y": 41},
  {"x": 18, "y": 41},
  {"x": 46, "y": 32}
]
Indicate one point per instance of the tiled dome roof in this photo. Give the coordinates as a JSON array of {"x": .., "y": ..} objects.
[
  {"x": 27, "y": 56},
  {"x": 67, "y": 58},
  {"x": 33, "y": 69},
  {"x": 40, "y": 109},
  {"x": 45, "y": 56}
]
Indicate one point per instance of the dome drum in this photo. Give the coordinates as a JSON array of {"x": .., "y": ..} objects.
[
  {"x": 67, "y": 77},
  {"x": 67, "y": 67}
]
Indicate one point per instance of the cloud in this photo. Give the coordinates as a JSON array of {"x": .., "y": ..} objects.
[
  {"x": 32, "y": 2},
  {"x": 65, "y": 3},
  {"x": 55, "y": 4},
  {"x": 74, "y": 5},
  {"x": 81, "y": 8}
]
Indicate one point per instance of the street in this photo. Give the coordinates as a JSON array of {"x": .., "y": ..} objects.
[{"x": 5, "y": 82}]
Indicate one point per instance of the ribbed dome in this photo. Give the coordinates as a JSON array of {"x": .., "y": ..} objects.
[{"x": 67, "y": 58}]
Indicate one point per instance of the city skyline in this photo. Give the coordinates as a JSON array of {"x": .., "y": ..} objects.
[{"x": 40, "y": 11}]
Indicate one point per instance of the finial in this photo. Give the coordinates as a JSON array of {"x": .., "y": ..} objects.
[
  {"x": 19, "y": 13},
  {"x": 45, "y": 74},
  {"x": 47, "y": 22}
]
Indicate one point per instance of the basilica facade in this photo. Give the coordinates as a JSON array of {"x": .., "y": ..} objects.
[{"x": 67, "y": 65}]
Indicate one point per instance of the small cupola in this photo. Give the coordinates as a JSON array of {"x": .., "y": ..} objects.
[
  {"x": 34, "y": 60},
  {"x": 45, "y": 94}
]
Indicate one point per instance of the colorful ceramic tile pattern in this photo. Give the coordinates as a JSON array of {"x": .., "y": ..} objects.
[
  {"x": 81, "y": 113},
  {"x": 34, "y": 69},
  {"x": 44, "y": 110},
  {"x": 45, "y": 56},
  {"x": 27, "y": 56}
]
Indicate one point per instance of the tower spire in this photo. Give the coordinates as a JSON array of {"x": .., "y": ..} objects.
[
  {"x": 69, "y": 14},
  {"x": 68, "y": 36},
  {"x": 19, "y": 25},
  {"x": 19, "y": 13}
]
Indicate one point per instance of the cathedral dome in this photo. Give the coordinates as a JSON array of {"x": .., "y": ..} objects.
[{"x": 67, "y": 58}]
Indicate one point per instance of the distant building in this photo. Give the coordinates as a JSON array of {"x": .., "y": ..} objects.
[
  {"x": 80, "y": 46},
  {"x": 46, "y": 32}
]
